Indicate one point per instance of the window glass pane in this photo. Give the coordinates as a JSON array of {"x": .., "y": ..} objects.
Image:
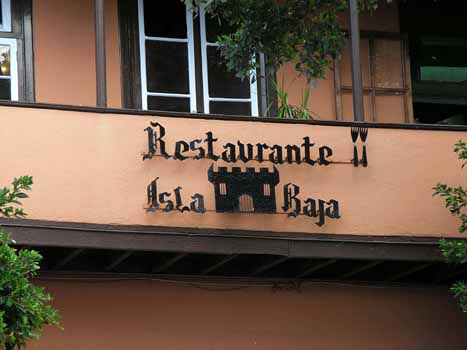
[
  {"x": 443, "y": 60},
  {"x": 346, "y": 63},
  {"x": 167, "y": 19},
  {"x": 5, "y": 89},
  {"x": 5, "y": 62},
  {"x": 222, "y": 83},
  {"x": 1, "y": 13},
  {"x": 214, "y": 28},
  {"x": 232, "y": 108},
  {"x": 387, "y": 58},
  {"x": 174, "y": 104},
  {"x": 167, "y": 67}
]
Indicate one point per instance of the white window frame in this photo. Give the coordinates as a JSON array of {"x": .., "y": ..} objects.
[
  {"x": 191, "y": 59},
  {"x": 6, "y": 16},
  {"x": 13, "y": 66},
  {"x": 191, "y": 64},
  {"x": 204, "y": 68}
]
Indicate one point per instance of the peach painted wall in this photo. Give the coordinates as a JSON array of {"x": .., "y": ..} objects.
[
  {"x": 155, "y": 315},
  {"x": 322, "y": 99},
  {"x": 64, "y": 52},
  {"x": 88, "y": 168}
]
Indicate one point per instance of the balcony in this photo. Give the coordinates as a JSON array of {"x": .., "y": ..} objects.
[
  {"x": 93, "y": 190},
  {"x": 351, "y": 199}
]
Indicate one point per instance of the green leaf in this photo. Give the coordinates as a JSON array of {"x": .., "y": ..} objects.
[{"x": 24, "y": 307}]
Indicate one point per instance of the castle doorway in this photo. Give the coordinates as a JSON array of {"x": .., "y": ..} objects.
[{"x": 246, "y": 205}]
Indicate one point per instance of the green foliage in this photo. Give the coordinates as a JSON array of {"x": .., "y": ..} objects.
[
  {"x": 24, "y": 308},
  {"x": 9, "y": 198},
  {"x": 305, "y": 32},
  {"x": 455, "y": 252},
  {"x": 461, "y": 150},
  {"x": 455, "y": 200},
  {"x": 288, "y": 111},
  {"x": 460, "y": 292}
]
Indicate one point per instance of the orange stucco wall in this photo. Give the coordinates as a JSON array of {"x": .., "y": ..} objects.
[
  {"x": 122, "y": 315},
  {"x": 64, "y": 52},
  {"x": 88, "y": 168}
]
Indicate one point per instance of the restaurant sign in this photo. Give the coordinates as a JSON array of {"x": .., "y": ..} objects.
[{"x": 252, "y": 190}]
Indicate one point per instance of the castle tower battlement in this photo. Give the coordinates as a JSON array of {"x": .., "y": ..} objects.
[{"x": 252, "y": 174}]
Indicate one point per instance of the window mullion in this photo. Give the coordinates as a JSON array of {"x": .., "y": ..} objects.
[
  {"x": 191, "y": 58},
  {"x": 204, "y": 59},
  {"x": 14, "y": 70},
  {"x": 254, "y": 93},
  {"x": 170, "y": 40},
  {"x": 142, "y": 48}
]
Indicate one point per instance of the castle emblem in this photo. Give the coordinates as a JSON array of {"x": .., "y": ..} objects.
[{"x": 245, "y": 192}]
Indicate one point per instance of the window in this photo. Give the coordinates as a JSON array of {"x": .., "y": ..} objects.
[
  {"x": 8, "y": 56},
  {"x": 443, "y": 60},
  {"x": 16, "y": 51},
  {"x": 167, "y": 56},
  {"x": 385, "y": 79},
  {"x": 5, "y": 16},
  {"x": 223, "y": 93},
  {"x": 8, "y": 70},
  {"x": 437, "y": 38},
  {"x": 181, "y": 68}
]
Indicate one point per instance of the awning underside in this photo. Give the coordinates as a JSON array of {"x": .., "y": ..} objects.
[{"x": 57, "y": 259}]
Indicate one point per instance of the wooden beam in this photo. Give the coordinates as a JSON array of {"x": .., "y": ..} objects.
[
  {"x": 406, "y": 273},
  {"x": 338, "y": 88},
  {"x": 356, "y": 62},
  {"x": 29, "y": 88},
  {"x": 168, "y": 263},
  {"x": 362, "y": 268},
  {"x": 36, "y": 233},
  {"x": 101, "y": 84},
  {"x": 232, "y": 118},
  {"x": 67, "y": 259},
  {"x": 268, "y": 266},
  {"x": 315, "y": 267},
  {"x": 117, "y": 261},
  {"x": 219, "y": 264}
]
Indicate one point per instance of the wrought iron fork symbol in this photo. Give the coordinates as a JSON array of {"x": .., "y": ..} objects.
[
  {"x": 363, "y": 136},
  {"x": 354, "y": 131}
]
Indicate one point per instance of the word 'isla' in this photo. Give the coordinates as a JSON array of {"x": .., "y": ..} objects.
[
  {"x": 261, "y": 152},
  {"x": 168, "y": 201}
]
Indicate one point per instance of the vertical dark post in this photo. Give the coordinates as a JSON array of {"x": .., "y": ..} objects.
[
  {"x": 356, "y": 68},
  {"x": 101, "y": 86},
  {"x": 263, "y": 85}
]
